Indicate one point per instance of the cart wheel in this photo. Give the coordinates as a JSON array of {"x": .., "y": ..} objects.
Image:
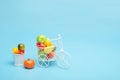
[
  {"x": 43, "y": 62},
  {"x": 63, "y": 59}
]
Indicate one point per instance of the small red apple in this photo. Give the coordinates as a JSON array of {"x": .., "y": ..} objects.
[{"x": 40, "y": 45}]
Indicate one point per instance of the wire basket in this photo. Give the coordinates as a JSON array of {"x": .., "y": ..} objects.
[{"x": 46, "y": 56}]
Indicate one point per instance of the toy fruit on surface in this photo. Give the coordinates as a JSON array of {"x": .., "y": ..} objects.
[
  {"x": 21, "y": 46},
  {"x": 51, "y": 55},
  {"x": 29, "y": 63},
  {"x": 47, "y": 42},
  {"x": 41, "y": 38},
  {"x": 41, "y": 46}
]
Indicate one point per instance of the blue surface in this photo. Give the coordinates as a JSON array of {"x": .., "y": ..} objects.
[{"x": 90, "y": 29}]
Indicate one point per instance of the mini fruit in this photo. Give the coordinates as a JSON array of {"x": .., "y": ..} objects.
[
  {"x": 53, "y": 47},
  {"x": 21, "y": 51},
  {"x": 51, "y": 55},
  {"x": 42, "y": 46},
  {"x": 41, "y": 52},
  {"x": 29, "y": 63},
  {"x": 15, "y": 50},
  {"x": 42, "y": 56},
  {"x": 38, "y": 44},
  {"x": 21, "y": 46},
  {"x": 47, "y": 42},
  {"x": 41, "y": 38},
  {"x": 47, "y": 50}
]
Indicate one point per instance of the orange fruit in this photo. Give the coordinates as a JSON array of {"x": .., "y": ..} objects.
[{"x": 29, "y": 63}]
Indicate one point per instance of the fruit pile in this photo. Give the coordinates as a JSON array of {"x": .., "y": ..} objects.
[
  {"x": 46, "y": 49},
  {"x": 20, "y": 49}
]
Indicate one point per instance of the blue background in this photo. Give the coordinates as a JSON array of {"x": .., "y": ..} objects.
[{"x": 90, "y": 30}]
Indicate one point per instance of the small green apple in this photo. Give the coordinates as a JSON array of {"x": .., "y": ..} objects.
[{"x": 41, "y": 38}]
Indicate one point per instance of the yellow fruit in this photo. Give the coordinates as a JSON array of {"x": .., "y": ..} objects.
[
  {"x": 47, "y": 50},
  {"x": 47, "y": 42},
  {"x": 15, "y": 50},
  {"x": 53, "y": 46}
]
